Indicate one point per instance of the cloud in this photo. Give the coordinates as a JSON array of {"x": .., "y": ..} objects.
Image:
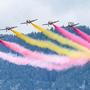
[
  {"x": 13, "y": 12},
  {"x": 16, "y": 11}
]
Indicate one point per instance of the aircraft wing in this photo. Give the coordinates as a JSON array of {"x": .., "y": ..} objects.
[
  {"x": 14, "y": 27},
  {"x": 45, "y": 24},
  {"x": 72, "y": 24},
  {"x": 34, "y": 20},
  {"x": 55, "y": 21},
  {"x": 24, "y": 23},
  {"x": 76, "y": 24}
]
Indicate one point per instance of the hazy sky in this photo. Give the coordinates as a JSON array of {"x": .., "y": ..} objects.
[{"x": 13, "y": 12}]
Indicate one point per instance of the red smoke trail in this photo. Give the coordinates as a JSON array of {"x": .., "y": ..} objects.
[
  {"x": 82, "y": 34},
  {"x": 72, "y": 37}
]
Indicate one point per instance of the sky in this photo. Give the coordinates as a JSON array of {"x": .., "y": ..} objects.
[{"x": 13, "y": 12}]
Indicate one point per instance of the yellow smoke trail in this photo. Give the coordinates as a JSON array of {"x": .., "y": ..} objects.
[
  {"x": 61, "y": 39},
  {"x": 47, "y": 44}
]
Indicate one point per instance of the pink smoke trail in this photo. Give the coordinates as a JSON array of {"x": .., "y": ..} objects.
[
  {"x": 26, "y": 61},
  {"x": 48, "y": 61},
  {"x": 40, "y": 56},
  {"x": 82, "y": 34},
  {"x": 42, "y": 64},
  {"x": 72, "y": 36}
]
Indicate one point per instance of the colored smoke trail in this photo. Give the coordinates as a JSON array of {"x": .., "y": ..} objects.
[
  {"x": 41, "y": 64},
  {"x": 28, "y": 53},
  {"x": 59, "y": 38},
  {"x": 25, "y": 61},
  {"x": 61, "y": 64},
  {"x": 72, "y": 37},
  {"x": 36, "y": 55},
  {"x": 47, "y": 44},
  {"x": 82, "y": 34}
]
